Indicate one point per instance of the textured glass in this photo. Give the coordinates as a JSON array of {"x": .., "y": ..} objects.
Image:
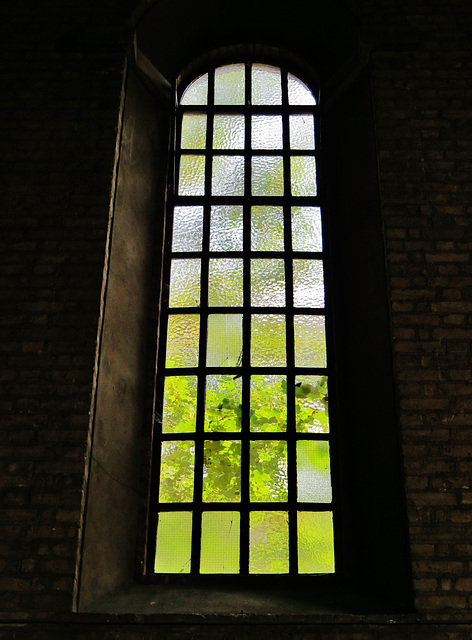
[
  {"x": 229, "y": 84},
  {"x": 226, "y": 228},
  {"x": 268, "y": 340},
  {"x": 313, "y": 471},
  {"x": 267, "y": 176},
  {"x": 180, "y": 404},
  {"x": 187, "y": 229},
  {"x": 298, "y": 92},
  {"x": 302, "y": 132},
  {"x": 308, "y": 283},
  {"x": 267, "y": 228},
  {"x": 225, "y": 340},
  {"x": 303, "y": 175},
  {"x": 315, "y": 542},
  {"x": 184, "y": 287},
  {"x": 182, "y": 340},
  {"x": 268, "y": 403},
  {"x": 306, "y": 229},
  {"x": 197, "y": 92},
  {"x": 268, "y": 471},
  {"x": 177, "y": 465},
  {"x": 223, "y": 403},
  {"x": 311, "y": 404},
  {"x": 193, "y": 131},
  {"x": 310, "y": 341},
  {"x": 266, "y": 85},
  {"x": 220, "y": 542},
  {"x": 225, "y": 283},
  {"x": 267, "y": 282},
  {"x": 228, "y": 132},
  {"x": 227, "y": 176},
  {"x": 266, "y": 132},
  {"x": 192, "y": 176},
  {"x": 268, "y": 542},
  {"x": 173, "y": 542},
  {"x": 222, "y": 471}
]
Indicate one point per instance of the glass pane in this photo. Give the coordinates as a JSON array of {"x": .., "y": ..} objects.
[
  {"x": 310, "y": 341},
  {"x": 266, "y": 85},
  {"x": 302, "y": 132},
  {"x": 222, "y": 471},
  {"x": 223, "y": 403},
  {"x": 311, "y": 404},
  {"x": 177, "y": 465},
  {"x": 229, "y": 84},
  {"x": 225, "y": 340},
  {"x": 315, "y": 542},
  {"x": 308, "y": 283},
  {"x": 268, "y": 403},
  {"x": 227, "y": 176},
  {"x": 268, "y": 542},
  {"x": 267, "y": 176},
  {"x": 267, "y": 229},
  {"x": 306, "y": 229},
  {"x": 184, "y": 287},
  {"x": 182, "y": 340},
  {"x": 266, "y": 132},
  {"x": 220, "y": 542},
  {"x": 267, "y": 282},
  {"x": 228, "y": 132},
  {"x": 225, "y": 285},
  {"x": 268, "y": 471},
  {"x": 180, "y": 404},
  {"x": 268, "y": 340},
  {"x": 298, "y": 92},
  {"x": 173, "y": 542},
  {"x": 193, "y": 131},
  {"x": 226, "y": 228},
  {"x": 303, "y": 175},
  {"x": 196, "y": 93},
  {"x": 192, "y": 176},
  {"x": 188, "y": 229},
  {"x": 313, "y": 471}
]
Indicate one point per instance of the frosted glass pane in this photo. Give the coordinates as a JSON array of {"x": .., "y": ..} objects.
[
  {"x": 196, "y": 92},
  {"x": 177, "y": 465},
  {"x": 188, "y": 229},
  {"x": 222, "y": 471},
  {"x": 193, "y": 131},
  {"x": 302, "y": 132},
  {"x": 267, "y": 229},
  {"x": 303, "y": 175},
  {"x": 182, "y": 340},
  {"x": 268, "y": 340},
  {"x": 220, "y": 542},
  {"x": 267, "y": 176},
  {"x": 311, "y": 404},
  {"x": 313, "y": 471},
  {"x": 192, "y": 176},
  {"x": 266, "y": 132},
  {"x": 225, "y": 340},
  {"x": 226, "y": 228},
  {"x": 308, "y": 283},
  {"x": 310, "y": 341},
  {"x": 298, "y": 92},
  {"x": 268, "y": 403},
  {"x": 315, "y": 542},
  {"x": 173, "y": 542},
  {"x": 268, "y": 542},
  {"x": 229, "y": 84},
  {"x": 184, "y": 287},
  {"x": 223, "y": 403},
  {"x": 228, "y": 132},
  {"x": 306, "y": 229},
  {"x": 268, "y": 471},
  {"x": 266, "y": 85},
  {"x": 225, "y": 286},
  {"x": 227, "y": 176},
  {"x": 267, "y": 282},
  {"x": 180, "y": 404}
]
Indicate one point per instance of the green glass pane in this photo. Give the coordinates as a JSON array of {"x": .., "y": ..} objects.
[
  {"x": 229, "y": 84},
  {"x": 182, "y": 340},
  {"x": 302, "y": 132},
  {"x": 173, "y": 542},
  {"x": 306, "y": 229},
  {"x": 315, "y": 542},
  {"x": 222, "y": 471},
  {"x": 268, "y": 403},
  {"x": 308, "y": 283},
  {"x": 226, "y": 228},
  {"x": 310, "y": 341},
  {"x": 196, "y": 92},
  {"x": 313, "y": 471},
  {"x": 180, "y": 404},
  {"x": 268, "y": 471},
  {"x": 303, "y": 175},
  {"x": 268, "y": 340},
  {"x": 223, "y": 403},
  {"x": 187, "y": 230},
  {"x": 311, "y": 404},
  {"x": 193, "y": 131},
  {"x": 267, "y": 176},
  {"x": 184, "y": 287},
  {"x": 228, "y": 131},
  {"x": 267, "y": 229},
  {"x": 298, "y": 92},
  {"x": 192, "y": 175},
  {"x": 268, "y": 542},
  {"x": 220, "y": 542},
  {"x": 227, "y": 176},
  {"x": 267, "y": 282},
  {"x": 176, "y": 476},
  {"x": 225, "y": 340},
  {"x": 225, "y": 282},
  {"x": 266, "y": 85},
  {"x": 266, "y": 132}
]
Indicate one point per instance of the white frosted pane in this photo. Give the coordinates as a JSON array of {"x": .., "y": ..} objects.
[
  {"x": 225, "y": 282},
  {"x": 225, "y": 340},
  {"x": 220, "y": 542},
  {"x": 267, "y": 176},
  {"x": 267, "y": 228},
  {"x": 268, "y": 471},
  {"x": 267, "y": 282},
  {"x": 192, "y": 175},
  {"x": 173, "y": 542},
  {"x": 268, "y": 340},
  {"x": 226, "y": 228},
  {"x": 227, "y": 176},
  {"x": 229, "y": 84},
  {"x": 268, "y": 403},
  {"x": 303, "y": 175},
  {"x": 196, "y": 92},
  {"x": 311, "y": 404},
  {"x": 193, "y": 131},
  {"x": 182, "y": 340},
  {"x": 266, "y": 132},
  {"x": 313, "y": 471},
  {"x": 222, "y": 471},
  {"x": 298, "y": 92},
  {"x": 268, "y": 542},
  {"x": 184, "y": 287},
  {"x": 266, "y": 85},
  {"x": 306, "y": 229},
  {"x": 177, "y": 466},
  {"x": 315, "y": 542},
  {"x": 180, "y": 404},
  {"x": 228, "y": 132},
  {"x": 308, "y": 283},
  {"x": 310, "y": 341},
  {"x": 223, "y": 403},
  {"x": 187, "y": 229},
  {"x": 302, "y": 132}
]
